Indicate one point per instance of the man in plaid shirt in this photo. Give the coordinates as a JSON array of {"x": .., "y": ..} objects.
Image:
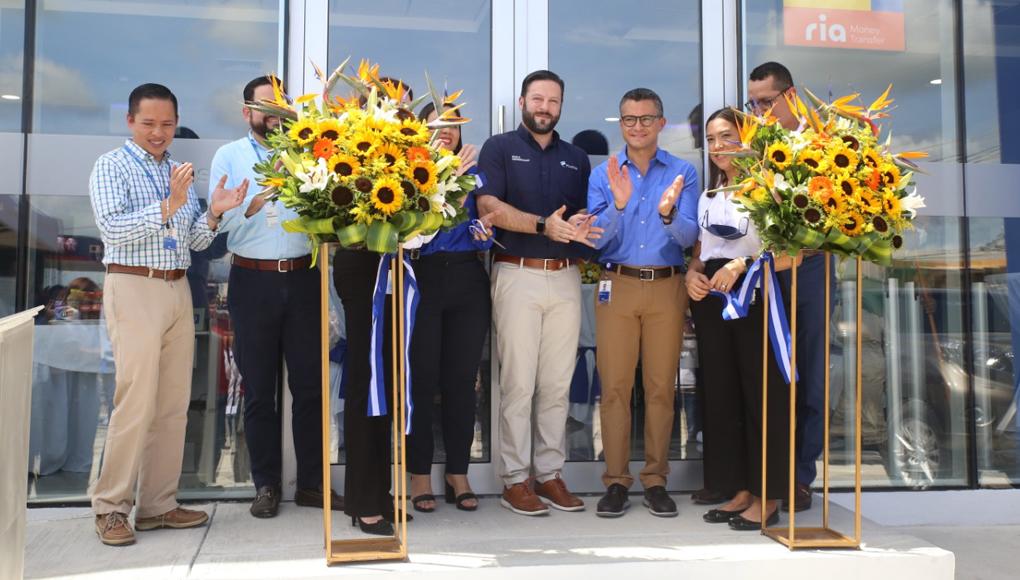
[{"x": 150, "y": 219}]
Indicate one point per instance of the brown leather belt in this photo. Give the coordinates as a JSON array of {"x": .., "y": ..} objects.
[
  {"x": 168, "y": 275},
  {"x": 547, "y": 264},
  {"x": 285, "y": 265},
  {"x": 646, "y": 274}
]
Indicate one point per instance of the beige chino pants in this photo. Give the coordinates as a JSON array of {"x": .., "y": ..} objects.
[
  {"x": 153, "y": 335},
  {"x": 536, "y": 317}
]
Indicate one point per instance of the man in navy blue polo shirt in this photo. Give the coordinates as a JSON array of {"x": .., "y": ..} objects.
[{"x": 539, "y": 184}]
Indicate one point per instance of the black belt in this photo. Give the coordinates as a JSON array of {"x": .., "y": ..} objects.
[{"x": 646, "y": 274}]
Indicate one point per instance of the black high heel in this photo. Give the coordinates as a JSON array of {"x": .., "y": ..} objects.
[
  {"x": 460, "y": 499},
  {"x": 379, "y": 528}
]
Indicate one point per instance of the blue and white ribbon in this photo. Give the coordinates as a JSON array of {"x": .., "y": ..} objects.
[
  {"x": 377, "y": 385},
  {"x": 738, "y": 302}
]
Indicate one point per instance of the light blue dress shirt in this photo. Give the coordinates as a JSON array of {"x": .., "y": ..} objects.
[
  {"x": 636, "y": 236},
  {"x": 253, "y": 237}
]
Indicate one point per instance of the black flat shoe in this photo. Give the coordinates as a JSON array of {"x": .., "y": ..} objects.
[
  {"x": 742, "y": 524},
  {"x": 720, "y": 516},
  {"x": 267, "y": 502},
  {"x": 379, "y": 528},
  {"x": 460, "y": 499},
  {"x": 416, "y": 502}
]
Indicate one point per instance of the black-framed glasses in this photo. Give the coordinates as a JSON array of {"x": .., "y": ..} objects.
[
  {"x": 764, "y": 104},
  {"x": 646, "y": 120},
  {"x": 724, "y": 231}
]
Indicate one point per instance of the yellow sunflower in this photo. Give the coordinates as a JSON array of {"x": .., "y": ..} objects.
[
  {"x": 842, "y": 160},
  {"x": 388, "y": 196},
  {"x": 852, "y": 224},
  {"x": 389, "y": 154},
  {"x": 891, "y": 204},
  {"x": 814, "y": 159},
  {"x": 414, "y": 132},
  {"x": 848, "y": 186},
  {"x": 302, "y": 131},
  {"x": 423, "y": 175},
  {"x": 330, "y": 129},
  {"x": 363, "y": 143},
  {"x": 890, "y": 174},
  {"x": 779, "y": 155},
  {"x": 871, "y": 158},
  {"x": 870, "y": 203},
  {"x": 835, "y": 203},
  {"x": 343, "y": 164}
]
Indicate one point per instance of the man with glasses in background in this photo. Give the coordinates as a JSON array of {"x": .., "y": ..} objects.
[
  {"x": 768, "y": 88},
  {"x": 645, "y": 200}
]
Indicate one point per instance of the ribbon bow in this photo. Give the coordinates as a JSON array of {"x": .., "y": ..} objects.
[
  {"x": 377, "y": 387},
  {"x": 738, "y": 301}
]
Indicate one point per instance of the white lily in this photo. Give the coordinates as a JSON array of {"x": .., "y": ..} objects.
[
  {"x": 780, "y": 182},
  {"x": 314, "y": 178},
  {"x": 912, "y": 203},
  {"x": 438, "y": 201}
]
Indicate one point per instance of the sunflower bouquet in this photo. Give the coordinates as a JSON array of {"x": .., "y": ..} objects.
[
  {"x": 830, "y": 185},
  {"x": 362, "y": 169}
]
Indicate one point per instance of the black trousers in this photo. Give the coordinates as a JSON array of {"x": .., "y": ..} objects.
[
  {"x": 367, "y": 439},
  {"x": 275, "y": 312},
  {"x": 730, "y": 358},
  {"x": 446, "y": 348}
]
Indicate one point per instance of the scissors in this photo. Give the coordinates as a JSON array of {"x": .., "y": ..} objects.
[{"x": 478, "y": 229}]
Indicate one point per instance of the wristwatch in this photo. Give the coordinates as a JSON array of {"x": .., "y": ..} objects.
[
  {"x": 540, "y": 225},
  {"x": 668, "y": 219}
]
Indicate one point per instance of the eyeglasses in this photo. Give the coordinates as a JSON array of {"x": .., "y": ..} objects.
[
  {"x": 646, "y": 120},
  {"x": 765, "y": 104},
  {"x": 723, "y": 231}
]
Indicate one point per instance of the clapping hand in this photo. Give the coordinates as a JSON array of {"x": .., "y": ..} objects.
[
  {"x": 619, "y": 182},
  {"x": 670, "y": 195},
  {"x": 223, "y": 199},
  {"x": 585, "y": 230}
]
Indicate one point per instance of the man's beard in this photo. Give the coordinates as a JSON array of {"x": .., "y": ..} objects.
[
  {"x": 261, "y": 128},
  {"x": 532, "y": 124}
]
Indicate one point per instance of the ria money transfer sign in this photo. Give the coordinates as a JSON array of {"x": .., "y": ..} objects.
[{"x": 855, "y": 24}]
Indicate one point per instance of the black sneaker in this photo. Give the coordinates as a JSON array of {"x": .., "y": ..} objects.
[
  {"x": 659, "y": 503},
  {"x": 313, "y": 498},
  {"x": 267, "y": 502},
  {"x": 614, "y": 503}
]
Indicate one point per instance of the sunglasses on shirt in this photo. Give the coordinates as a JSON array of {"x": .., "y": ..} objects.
[{"x": 723, "y": 231}]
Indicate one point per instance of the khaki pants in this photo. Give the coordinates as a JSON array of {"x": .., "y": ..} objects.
[
  {"x": 153, "y": 336},
  {"x": 536, "y": 316},
  {"x": 643, "y": 318}
]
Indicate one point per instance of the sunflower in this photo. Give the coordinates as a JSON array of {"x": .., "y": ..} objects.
[
  {"x": 891, "y": 204},
  {"x": 820, "y": 188},
  {"x": 423, "y": 176},
  {"x": 343, "y": 165},
  {"x": 870, "y": 202},
  {"x": 364, "y": 142},
  {"x": 851, "y": 142},
  {"x": 389, "y": 153},
  {"x": 330, "y": 129},
  {"x": 871, "y": 158},
  {"x": 879, "y": 224},
  {"x": 890, "y": 174},
  {"x": 852, "y": 224},
  {"x": 342, "y": 195},
  {"x": 302, "y": 131},
  {"x": 812, "y": 215},
  {"x": 780, "y": 155},
  {"x": 813, "y": 159},
  {"x": 842, "y": 160},
  {"x": 388, "y": 196},
  {"x": 835, "y": 203},
  {"x": 846, "y": 185},
  {"x": 323, "y": 148},
  {"x": 414, "y": 131}
]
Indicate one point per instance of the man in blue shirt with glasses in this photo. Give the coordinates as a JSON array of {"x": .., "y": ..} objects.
[
  {"x": 645, "y": 200},
  {"x": 274, "y": 309}
]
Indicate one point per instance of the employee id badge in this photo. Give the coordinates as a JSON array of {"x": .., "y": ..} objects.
[
  {"x": 605, "y": 291},
  {"x": 170, "y": 239},
  {"x": 272, "y": 215}
]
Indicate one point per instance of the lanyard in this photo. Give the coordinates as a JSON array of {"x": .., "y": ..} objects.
[
  {"x": 255, "y": 147},
  {"x": 152, "y": 180}
]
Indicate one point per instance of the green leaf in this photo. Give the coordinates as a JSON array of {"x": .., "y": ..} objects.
[{"x": 382, "y": 237}]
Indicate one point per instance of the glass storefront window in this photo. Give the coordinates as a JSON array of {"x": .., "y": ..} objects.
[
  {"x": 915, "y": 389},
  {"x": 991, "y": 68},
  {"x": 451, "y": 41},
  {"x": 654, "y": 45},
  {"x": 12, "y": 47}
]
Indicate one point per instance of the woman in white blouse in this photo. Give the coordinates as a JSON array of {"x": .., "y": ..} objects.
[{"x": 730, "y": 351}]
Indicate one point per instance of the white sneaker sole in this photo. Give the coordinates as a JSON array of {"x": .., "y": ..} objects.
[
  {"x": 626, "y": 505},
  {"x": 551, "y": 503},
  {"x": 510, "y": 507},
  {"x": 671, "y": 514}
]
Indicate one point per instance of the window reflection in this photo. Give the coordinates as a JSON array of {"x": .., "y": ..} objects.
[{"x": 12, "y": 47}]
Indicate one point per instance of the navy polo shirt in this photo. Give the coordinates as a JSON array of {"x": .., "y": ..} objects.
[{"x": 515, "y": 169}]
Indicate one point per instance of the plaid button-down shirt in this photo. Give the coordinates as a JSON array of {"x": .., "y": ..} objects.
[{"x": 127, "y": 207}]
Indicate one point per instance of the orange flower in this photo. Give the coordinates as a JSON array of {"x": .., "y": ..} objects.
[
  {"x": 820, "y": 188},
  {"x": 418, "y": 154},
  {"x": 323, "y": 149}
]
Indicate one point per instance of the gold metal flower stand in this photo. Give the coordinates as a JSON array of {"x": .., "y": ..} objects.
[
  {"x": 824, "y": 536},
  {"x": 367, "y": 549}
]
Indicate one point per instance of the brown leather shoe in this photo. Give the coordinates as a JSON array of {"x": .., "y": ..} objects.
[
  {"x": 519, "y": 499},
  {"x": 801, "y": 499},
  {"x": 114, "y": 529},
  {"x": 177, "y": 518},
  {"x": 555, "y": 493}
]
